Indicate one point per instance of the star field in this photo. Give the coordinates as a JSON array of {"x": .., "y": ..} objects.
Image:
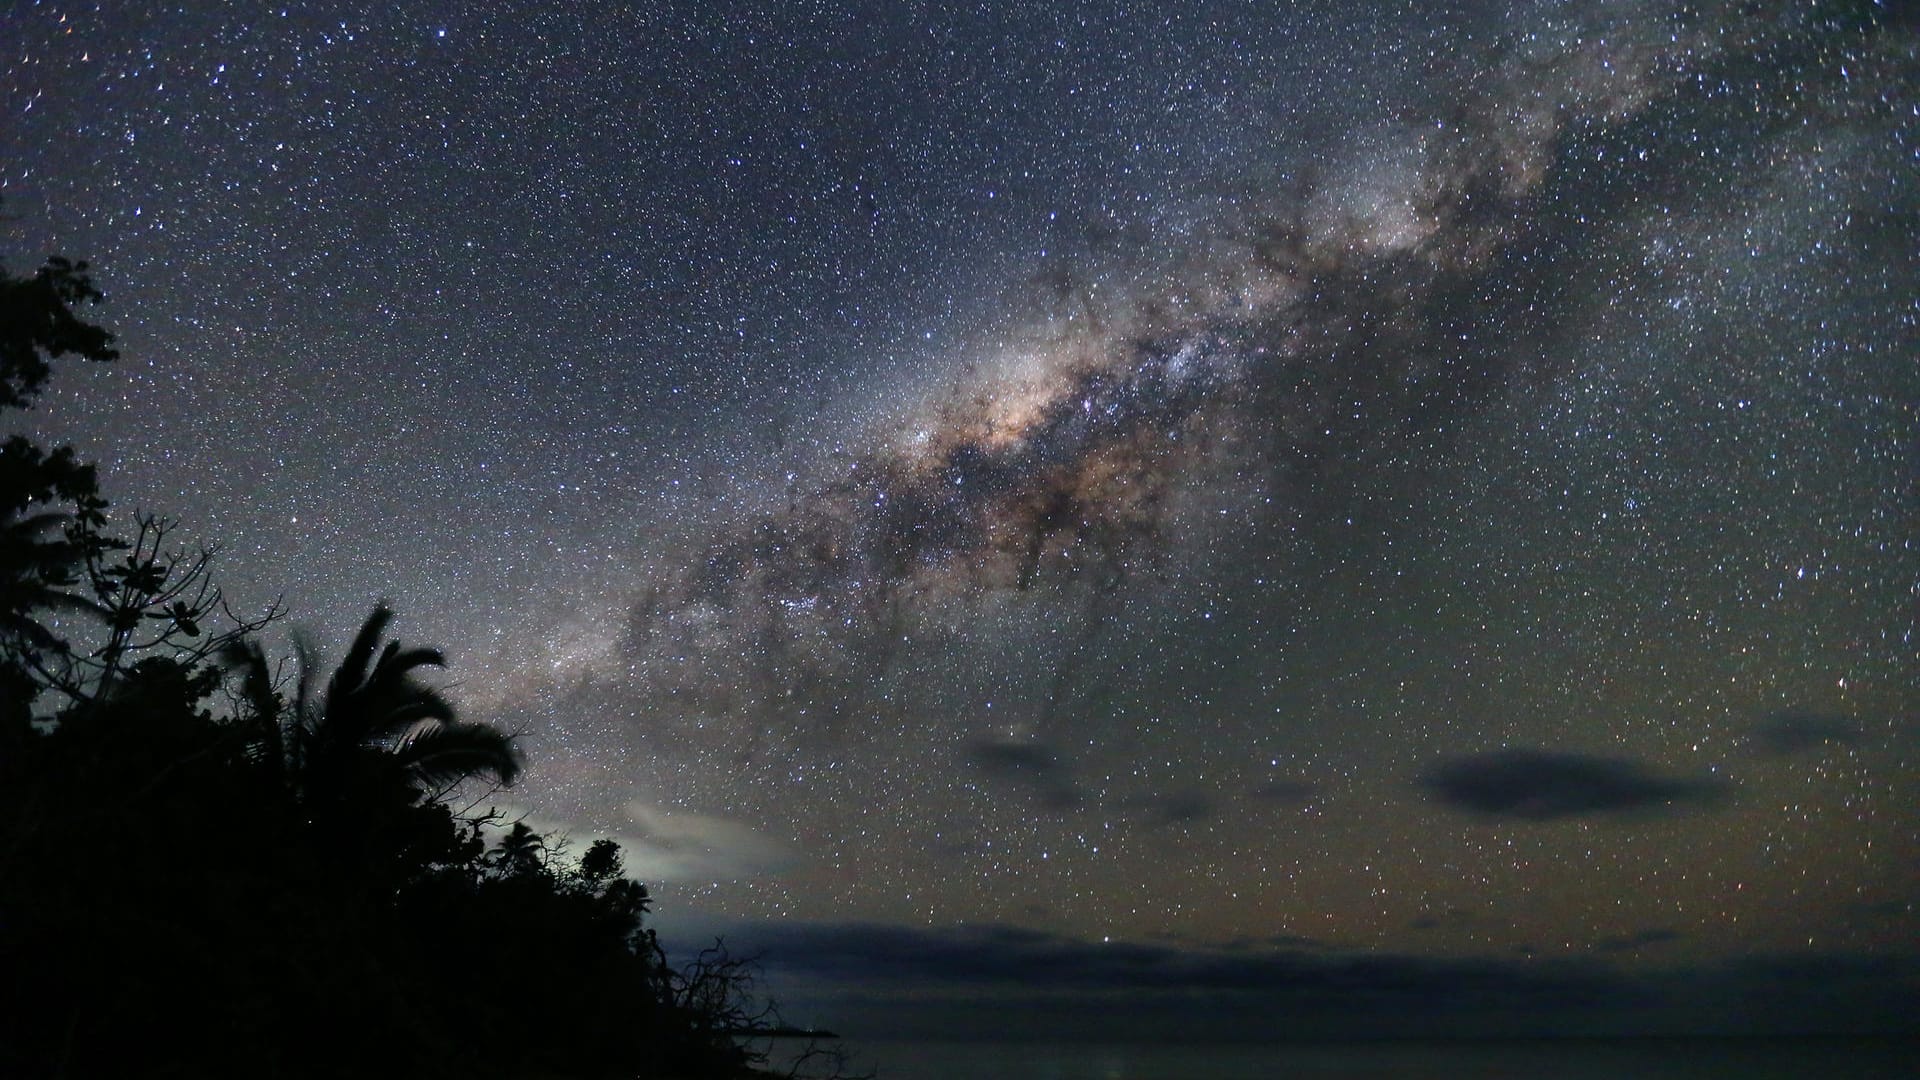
[{"x": 1436, "y": 479}]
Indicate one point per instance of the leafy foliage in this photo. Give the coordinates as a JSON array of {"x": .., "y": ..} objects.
[{"x": 37, "y": 323}]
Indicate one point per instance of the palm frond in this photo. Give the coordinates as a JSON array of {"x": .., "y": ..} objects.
[
  {"x": 29, "y": 632},
  {"x": 440, "y": 753},
  {"x": 261, "y": 698},
  {"x": 32, "y": 596},
  {"x": 396, "y": 661},
  {"x": 305, "y": 708},
  {"x": 375, "y": 715},
  {"x": 352, "y": 672},
  {"x": 30, "y": 529},
  {"x": 424, "y": 703}
]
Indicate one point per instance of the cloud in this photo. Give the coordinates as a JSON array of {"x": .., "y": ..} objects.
[
  {"x": 1029, "y": 766},
  {"x": 1039, "y": 772},
  {"x": 1008, "y": 982},
  {"x": 668, "y": 847},
  {"x": 1794, "y": 731},
  {"x": 1286, "y": 792},
  {"x": 1175, "y": 807},
  {"x": 1540, "y": 785},
  {"x": 1625, "y": 943},
  {"x": 677, "y": 846},
  {"x": 1451, "y": 918},
  {"x": 1042, "y": 960}
]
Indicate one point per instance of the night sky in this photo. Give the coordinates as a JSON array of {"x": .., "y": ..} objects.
[{"x": 1260, "y": 499}]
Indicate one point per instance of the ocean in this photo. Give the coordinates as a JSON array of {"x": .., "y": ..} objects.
[{"x": 1559, "y": 1059}]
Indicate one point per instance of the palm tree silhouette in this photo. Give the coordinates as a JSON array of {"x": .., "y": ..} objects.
[
  {"x": 375, "y": 725},
  {"x": 37, "y": 572}
]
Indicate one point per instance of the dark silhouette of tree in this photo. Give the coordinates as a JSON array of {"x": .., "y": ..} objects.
[
  {"x": 37, "y": 324},
  {"x": 42, "y": 544},
  {"x": 521, "y": 852},
  {"x": 57, "y": 556},
  {"x": 208, "y": 870},
  {"x": 37, "y": 575},
  {"x": 375, "y": 723}
]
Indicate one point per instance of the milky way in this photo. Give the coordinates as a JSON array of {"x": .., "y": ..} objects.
[
  {"x": 1330, "y": 327},
  {"x": 1224, "y": 476},
  {"x": 1316, "y": 338}
]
